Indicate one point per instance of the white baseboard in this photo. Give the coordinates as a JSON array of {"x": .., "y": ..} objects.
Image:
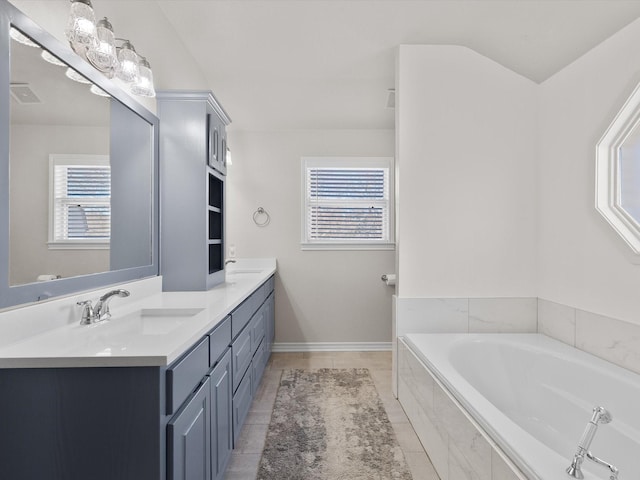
[{"x": 332, "y": 347}]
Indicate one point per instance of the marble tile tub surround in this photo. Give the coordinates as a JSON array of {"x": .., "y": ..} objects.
[
  {"x": 611, "y": 339},
  {"x": 466, "y": 315}
]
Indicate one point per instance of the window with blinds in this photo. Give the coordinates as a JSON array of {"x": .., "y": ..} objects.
[
  {"x": 347, "y": 202},
  {"x": 80, "y": 200}
]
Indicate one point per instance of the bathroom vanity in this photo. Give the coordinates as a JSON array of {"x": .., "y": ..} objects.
[{"x": 160, "y": 391}]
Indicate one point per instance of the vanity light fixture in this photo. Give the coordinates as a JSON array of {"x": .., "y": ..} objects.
[
  {"x": 113, "y": 57},
  {"x": 75, "y": 76},
  {"x": 144, "y": 86},
  {"x": 81, "y": 27},
  {"x": 20, "y": 37},
  {"x": 104, "y": 56},
  {"x": 129, "y": 69},
  {"x": 48, "y": 57},
  {"x": 98, "y": 91}
]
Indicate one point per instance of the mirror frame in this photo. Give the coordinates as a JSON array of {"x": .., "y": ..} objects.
[{"x": 20, "y": 294}]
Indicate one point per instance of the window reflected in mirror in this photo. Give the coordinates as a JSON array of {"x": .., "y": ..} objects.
[{"x": 81, "y": 172}]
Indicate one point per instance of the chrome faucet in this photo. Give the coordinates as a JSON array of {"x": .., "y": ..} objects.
[
  {"x": 600, "y": 415},
  {"x": 229, "y": 261},
  {"x": 100, "y": 312}
]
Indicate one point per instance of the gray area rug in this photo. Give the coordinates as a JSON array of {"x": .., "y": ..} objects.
[{"x": 330, "y": 424}]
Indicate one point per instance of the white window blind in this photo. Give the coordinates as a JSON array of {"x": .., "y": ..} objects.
[
  {"x": 80, "y": 200},
  {"x": 347, "y": 202}
]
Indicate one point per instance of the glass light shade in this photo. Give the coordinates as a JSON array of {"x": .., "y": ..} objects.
[
  {"x": 73, "y": 75},
  {"x": 20, "y": 37},
  {"x": 128, "y": 68},
  {"x": 144, "y": 85},
  {"x": 98, "y": 91},
  {"x": 81, "y": 26},
  {"x": 49, "y": 57},
  {"x": 103, "y": 54}
]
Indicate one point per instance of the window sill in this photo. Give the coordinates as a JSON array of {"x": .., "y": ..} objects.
[
  {"x": 347, "y": 246},
  {"x": 78, "y": 245}
]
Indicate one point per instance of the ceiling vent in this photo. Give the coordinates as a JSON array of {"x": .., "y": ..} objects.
[{"x": 23, "y": 94}]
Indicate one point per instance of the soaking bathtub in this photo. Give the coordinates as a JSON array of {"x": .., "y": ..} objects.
[{"x": 532, "y": 396}]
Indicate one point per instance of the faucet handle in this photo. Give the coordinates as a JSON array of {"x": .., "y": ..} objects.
[{"x": 87, "y": 312}]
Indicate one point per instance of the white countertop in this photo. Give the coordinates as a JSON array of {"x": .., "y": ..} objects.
[{"x": 50, "y": 335}]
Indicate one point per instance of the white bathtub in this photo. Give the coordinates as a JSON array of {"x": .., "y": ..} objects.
[{"x": 534, "y": 395}]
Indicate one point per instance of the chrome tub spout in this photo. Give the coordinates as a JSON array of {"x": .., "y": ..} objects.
[{"x": 600, "y": 415}]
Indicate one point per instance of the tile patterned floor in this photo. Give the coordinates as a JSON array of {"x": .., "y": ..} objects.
[{"x": 246, "y": 457}]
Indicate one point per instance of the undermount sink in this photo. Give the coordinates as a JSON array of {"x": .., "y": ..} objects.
[{"x": 155, "y": 321}]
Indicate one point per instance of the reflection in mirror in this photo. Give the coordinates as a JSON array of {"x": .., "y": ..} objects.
[{"x": 81, "y": 172}]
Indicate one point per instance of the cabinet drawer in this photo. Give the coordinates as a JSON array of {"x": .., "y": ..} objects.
[
  {"x": 271, "y": 284},
  {"x": 185, "y": 375},
  {"x": 219, "y": 340},
  {"x": 241, "y": 405},
  {"x": 266, "y": 289},
  {"x": 241, "y": 315},
  {"x": 241, "y": 354},
  {"x": 257, "y": 327},
  {"x": 257, "y": 366}
]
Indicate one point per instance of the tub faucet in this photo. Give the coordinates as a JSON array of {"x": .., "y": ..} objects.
[
  {"x": 600, "y": 415},
  {"x": 229, "y": 261}
]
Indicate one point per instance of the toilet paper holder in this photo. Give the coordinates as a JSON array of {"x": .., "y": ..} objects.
[{"x": 389, "y": 279}]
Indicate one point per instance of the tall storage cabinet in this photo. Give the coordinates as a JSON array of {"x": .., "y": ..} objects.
[{"x": 192, "y": 189}]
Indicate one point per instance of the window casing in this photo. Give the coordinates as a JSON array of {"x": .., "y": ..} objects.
[
  {"x": 347, "y": 203},
  {"x": 79, "y": 202}
]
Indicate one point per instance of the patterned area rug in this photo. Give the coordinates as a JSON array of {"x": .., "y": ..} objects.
[{"x": 330, "y": 424}]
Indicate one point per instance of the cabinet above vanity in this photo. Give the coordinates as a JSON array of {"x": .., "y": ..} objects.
[{"x": 193, "y": 146}]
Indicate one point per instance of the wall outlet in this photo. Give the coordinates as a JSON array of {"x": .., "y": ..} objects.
[{"x": 232, "y": 251}]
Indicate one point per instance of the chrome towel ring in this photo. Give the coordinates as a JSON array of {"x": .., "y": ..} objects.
[{"x": 261, "y": 217}]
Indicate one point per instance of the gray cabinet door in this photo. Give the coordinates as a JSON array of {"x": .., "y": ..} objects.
[
  {"x": 221, "y": 416},
  {"x": 217, "y": 142},
  {"x": 189, "y": 437}
]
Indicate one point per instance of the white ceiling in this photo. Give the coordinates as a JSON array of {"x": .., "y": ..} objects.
[{"x": 327, "y": 64}]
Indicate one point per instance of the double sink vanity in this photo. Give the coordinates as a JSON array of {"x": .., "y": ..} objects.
[{"x": 158, "y": 391}]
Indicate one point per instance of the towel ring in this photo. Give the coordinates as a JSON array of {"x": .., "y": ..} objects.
[{"x": 261, "y": 212}]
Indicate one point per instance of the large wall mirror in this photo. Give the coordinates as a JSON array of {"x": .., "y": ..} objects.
[{"x": 79, "y": 176}]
